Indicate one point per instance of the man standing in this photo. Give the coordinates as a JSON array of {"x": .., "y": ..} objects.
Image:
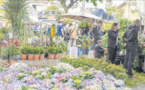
[
  {"x": 95, "y": 34},
  {"x": 130, "y": 39},
  {"x": 60, "y": 31}
]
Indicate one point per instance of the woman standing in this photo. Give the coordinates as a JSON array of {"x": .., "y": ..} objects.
[{"x": 112, "y": 42}]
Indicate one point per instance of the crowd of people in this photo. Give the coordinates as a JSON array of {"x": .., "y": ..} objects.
[{"x": 70, "y": 31}]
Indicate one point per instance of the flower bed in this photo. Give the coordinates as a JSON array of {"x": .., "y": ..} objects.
[
  {"x": 61, "y": 77},
  {"x": 117, "y": 71}
]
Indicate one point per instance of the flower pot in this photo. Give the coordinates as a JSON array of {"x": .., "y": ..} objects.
[
  {"x": 11, "y": 62},
  {"x": 56, "y": 56},
  {"x": 23, "y": 56},
  {"x": 30, "y": 56},
  {"x": 42, "y": 56},
  {"x": 59, "y": 55},
  {"x": 63, "y": 55},
  {"x": 36, "y": 56},
  {"x": 51, "y": 56}
]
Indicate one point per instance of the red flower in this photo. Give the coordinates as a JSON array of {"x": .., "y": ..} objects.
[{"x": 16, "y": 42}]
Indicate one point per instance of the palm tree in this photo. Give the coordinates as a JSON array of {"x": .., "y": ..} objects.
[{"x": 15, "y": 15}]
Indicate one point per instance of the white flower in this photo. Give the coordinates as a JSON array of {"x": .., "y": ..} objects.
[
  {"x": 18, "y": 65},
  {"x": 119, "y": 82},
  {"x": 43, "y": 73}
]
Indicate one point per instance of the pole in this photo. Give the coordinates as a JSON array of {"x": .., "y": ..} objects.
[{"x": 83, "y": 6}]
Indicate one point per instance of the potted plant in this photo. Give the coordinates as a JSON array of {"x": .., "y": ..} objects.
[
  {"x": 51, "y": 52},
  {"x": 30, "y": 53},
  {"x": 36, "y": 52},
  {"x": 24, "y": 52},
  {"x": 42, "y": 53},
  {"x": 57, "y": 53},
  {"x": 13, "y": 52}
]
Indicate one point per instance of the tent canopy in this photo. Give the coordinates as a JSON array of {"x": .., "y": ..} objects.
[{"x": 103, "y": 15}]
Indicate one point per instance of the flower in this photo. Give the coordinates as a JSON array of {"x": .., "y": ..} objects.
[{"x": 77, "y": 81}]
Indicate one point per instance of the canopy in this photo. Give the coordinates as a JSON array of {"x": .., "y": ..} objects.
[
  {"x": 81, "y": 16},
  {"x": 103, "y": 15}
]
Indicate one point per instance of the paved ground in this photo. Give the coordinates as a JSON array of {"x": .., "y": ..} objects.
[{"x": 140, "y": 87}]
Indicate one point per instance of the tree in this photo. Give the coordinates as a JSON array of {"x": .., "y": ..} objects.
[
  {"x": 54, "y": 10},
  {"x": 113, "y": 11},
  {"x": 72, "y": 2},
  {"x": 14, "y": 15}
]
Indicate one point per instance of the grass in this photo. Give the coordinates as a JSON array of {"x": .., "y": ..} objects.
[{"x": 134, "y": 82}]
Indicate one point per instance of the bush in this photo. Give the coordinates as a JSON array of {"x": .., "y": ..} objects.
[
  {"x": 36, "y": 50},
  {"x": 42, "y": 50},
  {"x": 57, "y": 50},
  {"x": 25, "y": 50},
  {"x": 117, "y": 71},
  {"x": 30, "y": 50},
  {"x": 51, "y": 50}
]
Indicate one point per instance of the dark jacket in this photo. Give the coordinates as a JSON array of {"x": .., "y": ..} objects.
[
  {"x": 112, "y": 38},
  {"x": 99, "y": 51},
  {"x": 95, "y": 33},
  {"x": 131, "y": 36}
]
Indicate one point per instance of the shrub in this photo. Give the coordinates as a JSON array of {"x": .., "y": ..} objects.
[
  {"x": 57, "y": 50},
  {"x": 25, "y": 50},
  {"x": 51, "y": 50},
  {"x": 117, "y": 71},
  {"x": 42, "y": 50},
  {"x": 30, "y": 50},
  {"x": 36, "y": 50}
]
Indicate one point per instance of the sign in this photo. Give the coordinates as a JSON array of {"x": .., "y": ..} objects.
[
  {"x": 29, "y": 40},
  {"x": 10, "y": 35},
  {"x": 73, "y": 52},
  {"x": 91, "y": 54}
]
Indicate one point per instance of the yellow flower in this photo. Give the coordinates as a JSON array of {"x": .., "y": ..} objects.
[
  {"x": 88, "y": 73},
  {"x": 77, "y": 81}
]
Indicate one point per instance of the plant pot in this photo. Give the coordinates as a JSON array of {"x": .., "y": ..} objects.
[
  {"x": 23, "y": 56},
  {"x": 42, "y": 56},
  {"x": 63, "y": 55},
  {"x": 11, "y": 62},
  {"x": 60, "y": 55},
  {"x": 56, "y": 56},
  {"x": 51, "y": 56},
  {"x": 30, "y": 56},
  {"x": 36, "y": 56}
]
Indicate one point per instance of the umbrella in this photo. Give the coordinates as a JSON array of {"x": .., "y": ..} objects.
[{"x": 81, "y": 16}]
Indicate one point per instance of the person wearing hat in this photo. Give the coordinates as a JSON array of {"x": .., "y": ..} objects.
[
  {"x": 60, "y": 31},
  {"x": 47, "y": 28}
]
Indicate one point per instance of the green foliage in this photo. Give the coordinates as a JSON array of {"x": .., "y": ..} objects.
[
  {"x": 30, "y": 50},
  {"x": 114, "y": 11},
  {"x": 13, "y": 51},
  {"x": 54, "y": 9},
  {"x": 51, "y": 50},
  {"x": 42, "y": 50},
  {"x": 36, "y": 50},
  {"x": 67, "y": 6},
  {"x": 4, "y": 30},
  {"x": 83, "y": 23},
  {"x": 15, "y": 14},
  {"x": 25, "y": 50},
  {"x": 117, "y": 71}
]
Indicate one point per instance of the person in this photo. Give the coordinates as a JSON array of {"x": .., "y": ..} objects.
[
  {"x": 95, "y": 33},
  {"x": 130, "y": 39},
  {"x": 36, "y": 28},
  {"x": 99, "y": 50},
  {"x": 73, "y": 35},
  {"x": 48, "y": 26},
  {"x": 60, "y": 31},
  {"x": 86, "y": 30},
  {"x": 113, "y": 42}
]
